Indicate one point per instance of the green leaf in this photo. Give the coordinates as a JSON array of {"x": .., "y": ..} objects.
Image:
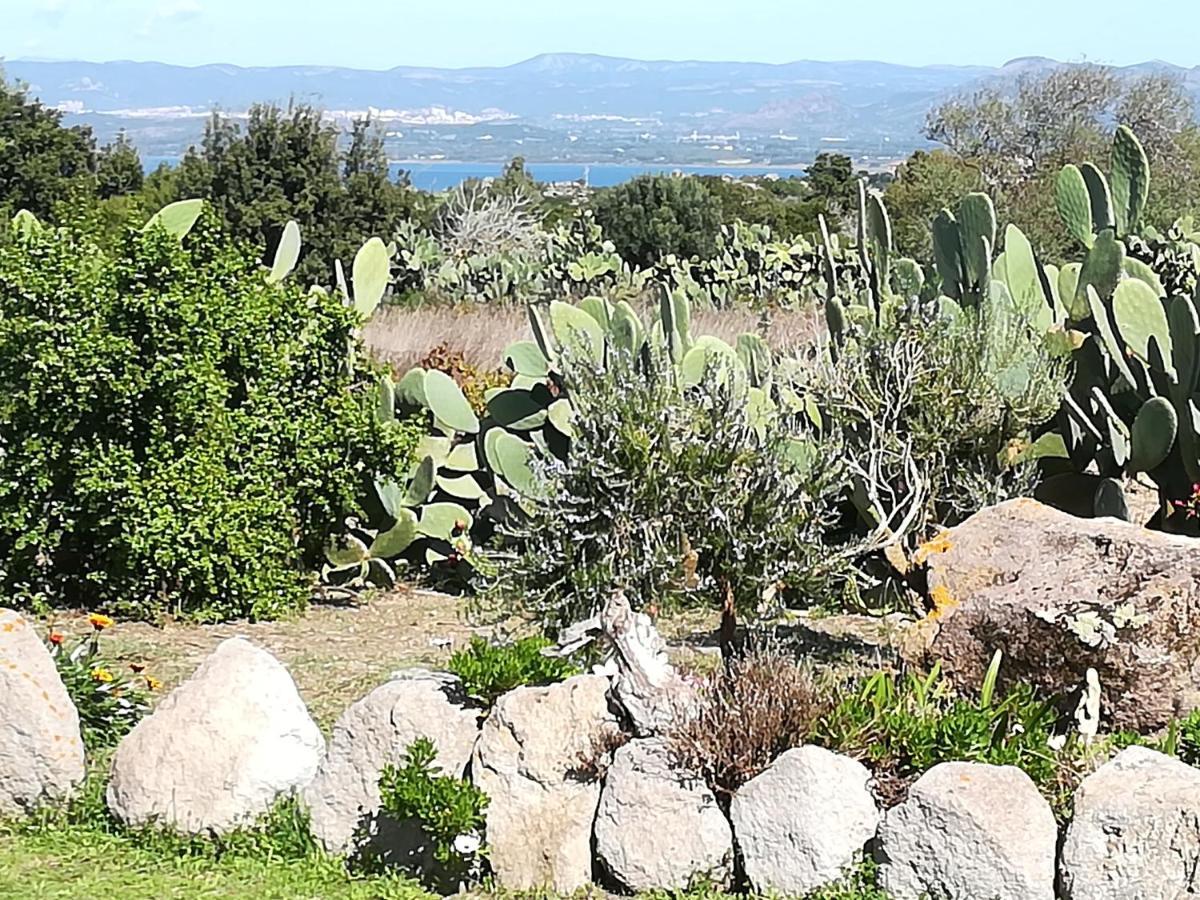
[
  {"x": 576, "y": 330},
  {"x": 441, "y": 520},
  {"x": 526, "y": 358},
  {"x": 25, "y": 224},
  {"x": 286, "y": 254},
  {"x": 345, "y": 551},
  {"x": 1130, "y": 179},
  {"x": 509, "y": 457},
  {"x": 1074, "y": 205},
  {"x": 370, "y": 274},
  {"x": 448, "y": 404},
  {"x": 410, "y": 392},
  {"x": 421, "y": 485},
  {"x": 464, "y": 487},
  {"x": 1152, "y": 435},
  {"x": 517, "y": 409},
  {"x": 560, "y": 415},
  {"x": 1139, "y": 316},
  {"x": 391, "y": 543},
  {"x": 176, "y": 218}
]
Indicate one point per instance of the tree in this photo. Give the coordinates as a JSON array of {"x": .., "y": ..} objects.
[
  {"x": 785, "y": 205},
  {"x": 831, "y": 177},
  {"x": 286, "y": 164},
  {"x": 1045, "y": 120},
  {"x": 42, "y": 162},
  {"x": 654, "y": 216},
  {"x": 118, "y": 169},
  {"x": 1019, "y": 135},
  {"x": 924, "y": 184}
]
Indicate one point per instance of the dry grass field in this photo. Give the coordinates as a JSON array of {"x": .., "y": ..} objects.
[{"x": 401, "y": 337}]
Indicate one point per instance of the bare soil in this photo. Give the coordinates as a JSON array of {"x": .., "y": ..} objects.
[{"x": 338, "y": 653}]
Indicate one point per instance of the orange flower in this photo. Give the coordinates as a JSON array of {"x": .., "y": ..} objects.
[
  {"x": 100, "y": 622},
  {"x": 56, "y": 638}
]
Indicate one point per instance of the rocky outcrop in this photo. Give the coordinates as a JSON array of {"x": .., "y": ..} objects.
[
  {"x": 1135, "y": 831},
  {"x": 969, "y": 831},
  {"x": 659, "y": 828},
  {"x": 1059, "y": 595},
  {"x": 343, "y": 799},
  {"x": 220, "y": 749},
  {"x": 803, "y": 822},
  {"x": 527, "y": 760},
  {"x": 41, "y": 749}
]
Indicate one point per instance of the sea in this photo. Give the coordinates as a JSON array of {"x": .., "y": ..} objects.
[{"x": 440, "y": 176}]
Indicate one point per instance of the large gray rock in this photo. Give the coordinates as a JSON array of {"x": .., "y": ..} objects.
[
  {"x": 969, "y": 831},
  {"x": 374, "y": 732},
  {"x": 1059, "y": 595},
  {"x": 657, "y": 827},
  {"x": 539, "y": 819},
  {"x": 1135, "y": 834},
  {"x": 220, "y": 749},
  {"x": 41, "y": 749},
  {"x": 803, "y": 822}
]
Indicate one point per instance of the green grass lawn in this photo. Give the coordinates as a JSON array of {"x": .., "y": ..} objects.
[{"x": 78, "y": 863}]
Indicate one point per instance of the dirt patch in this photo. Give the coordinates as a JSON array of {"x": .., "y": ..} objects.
[
  {"x": 335, "y": 653},
  {"x": 338, "y": 653}
]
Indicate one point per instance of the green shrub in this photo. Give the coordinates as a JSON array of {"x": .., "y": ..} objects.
[
  {"x": 176, "y": 434},
  {"x": 654, "y": 216},
  {"x": 677, "y": 494},
  {"x": 449, "y": 810},
  {"x": 109, "y": 702},
  {"x": 488, "y": 670},
  {"x": 929, "y": 402}
]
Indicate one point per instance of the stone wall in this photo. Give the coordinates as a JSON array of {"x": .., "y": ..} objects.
[{"x": 236, "y": 737}]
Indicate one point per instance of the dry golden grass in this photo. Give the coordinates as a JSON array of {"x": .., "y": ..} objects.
[{"x": 402, "y": 337}]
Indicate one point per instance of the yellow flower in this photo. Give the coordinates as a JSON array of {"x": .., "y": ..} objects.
[
  {"x": 100, "y": 622},
  {"x": 153, "y": 683},
  {"x": 102, "y": 675}
]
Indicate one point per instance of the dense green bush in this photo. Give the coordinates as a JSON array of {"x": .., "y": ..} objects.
[
  {"x": 654, "y": 216},
  {"x": 488, "y": 670},
  {"x": 450, "y": 810},
  {"x": 42, "y": 163},
  {"x": 176, "y": 434}
]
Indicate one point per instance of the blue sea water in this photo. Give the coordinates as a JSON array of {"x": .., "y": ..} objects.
[{"x": 439, "y": 176}]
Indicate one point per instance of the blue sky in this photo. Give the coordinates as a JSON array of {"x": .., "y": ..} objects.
[{"x": 379, "y": 34}]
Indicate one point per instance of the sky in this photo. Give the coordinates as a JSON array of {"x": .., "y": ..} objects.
[{"x": 380, "y": 34}]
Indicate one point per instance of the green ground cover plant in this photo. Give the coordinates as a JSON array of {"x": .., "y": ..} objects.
[
  {"x": 448, "y": 810},
  {"x": 488, "y": 670}
]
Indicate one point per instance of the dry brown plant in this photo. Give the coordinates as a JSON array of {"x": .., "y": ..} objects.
[{"x": 763, "y": 704}]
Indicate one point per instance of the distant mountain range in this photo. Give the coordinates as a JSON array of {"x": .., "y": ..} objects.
[{"x": 554, "y": 107}]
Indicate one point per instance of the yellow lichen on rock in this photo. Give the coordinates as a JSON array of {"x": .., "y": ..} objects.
[
  {"x": 943, "y": 601},
  {"x": 938, "y": 544}
]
